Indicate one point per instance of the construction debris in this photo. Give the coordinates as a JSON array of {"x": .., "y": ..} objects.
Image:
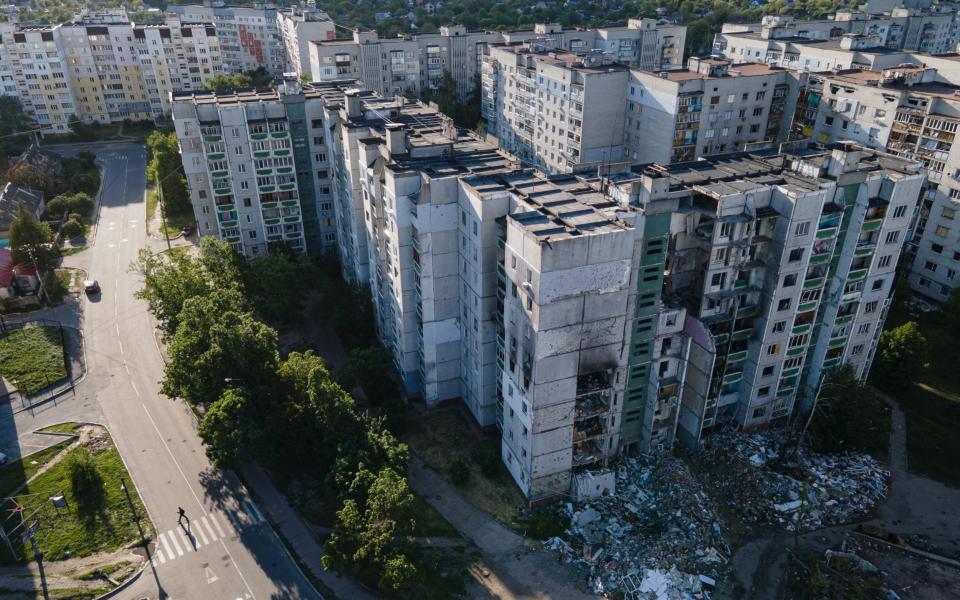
[
  {"x": 657, "y": 537},
  {"x": 765, "y": 479}
]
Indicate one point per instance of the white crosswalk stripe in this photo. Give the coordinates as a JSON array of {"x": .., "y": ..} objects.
[{"x": 204, "y": 531}]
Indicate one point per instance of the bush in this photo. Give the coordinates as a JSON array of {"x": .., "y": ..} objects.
[
  {"x": 459, "y": 472},
  {"x": 489, "y": 461},
  {"x": 72, "y": 228}
]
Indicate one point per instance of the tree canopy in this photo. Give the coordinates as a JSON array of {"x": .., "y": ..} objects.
[
  {"x": 166, "y": 170},
  {"x": 32, "y": 241},
  {"x": 901, "y": 355}
]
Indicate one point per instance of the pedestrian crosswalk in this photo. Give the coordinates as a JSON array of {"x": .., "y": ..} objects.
[{"x": 199, "y": 532}]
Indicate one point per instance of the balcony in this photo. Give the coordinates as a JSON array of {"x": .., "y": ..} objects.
[
  {"x": 594, "y": 387},
  {"x": 843, "y": 320},
  {"x": 819, "y": 259},
  {"x": 872, "y": 224},
  {"x": 837, "y": 341},
  {"x": 586, "y": 453},
  {"x": 800, "y": 329},
  {"x": 864, "y": 250},
  {"x": 258, "y": 136},
  {"x": 807, "y": 306},
  {"x": 812, "y": 283},
  {"x": 857, "y": 275},
  {"x": 829, "y": 232}
]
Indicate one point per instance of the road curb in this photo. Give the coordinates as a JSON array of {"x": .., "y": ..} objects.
[{"x": 127, "y": 583}]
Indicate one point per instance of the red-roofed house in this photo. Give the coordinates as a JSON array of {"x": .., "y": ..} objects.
[
  {"x": 7, "y": 290},
  {"x": 16, "y": 279}
]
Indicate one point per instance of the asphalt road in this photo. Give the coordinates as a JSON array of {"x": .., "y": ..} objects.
[{"x": 228, "y": 551}]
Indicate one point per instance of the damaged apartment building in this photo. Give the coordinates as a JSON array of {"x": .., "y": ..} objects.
[
  {"x": 583, "y": 317},
  {"x": 586, "y": 317}
]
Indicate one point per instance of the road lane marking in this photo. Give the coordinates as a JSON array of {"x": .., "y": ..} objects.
[
  {"x": 126, "y": 368},
  {"x": 175, "y": 543},
  {"x": 217, "y": 525},
  {"x": 117, "y": 327},
  {"x": 201, "y": 536},
  {"x": 234, "y": 563},
  {"x": 135, "y": 390},
  {"x": 256, "y": 511},
  {"x": 162, "y": 549},
  {"x": 121, "y": 345},
  {"x": 213, "y": 536},
  {"x": 170, "y": 452},
  {"x": 210, "y": 576}
]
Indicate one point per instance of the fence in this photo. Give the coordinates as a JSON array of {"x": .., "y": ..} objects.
[{"x": 53, "y": 389}]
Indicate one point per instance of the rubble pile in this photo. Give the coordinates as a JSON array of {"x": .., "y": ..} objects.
[
  {"x": 657, "y": 537},
  {"x": 766, "y": 480}
]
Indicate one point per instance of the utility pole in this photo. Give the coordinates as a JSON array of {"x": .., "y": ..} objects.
[
  {"x": 163, "y": 214},
  {"x": 133, "y": 509}
]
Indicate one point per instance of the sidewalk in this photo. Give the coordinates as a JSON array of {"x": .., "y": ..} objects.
[
  {"x": 298, "y": 535},
  {"x": 512, "y": 568}
]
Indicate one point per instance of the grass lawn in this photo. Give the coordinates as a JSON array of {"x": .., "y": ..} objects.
[
  {"x": 61, "y": 428},
  {"x": 32, "y": 357},
  {"x": 15, "y": 473},
  {"x": 944, "y": 361},
  {"x": 175, "y": 219},
  {"x": 430, "y": 523},
  {"x": 443, "y": 437},
  {"x": 69, "y": 533}
]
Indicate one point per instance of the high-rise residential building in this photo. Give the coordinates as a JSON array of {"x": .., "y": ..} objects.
[
  {"x": 298, "y": 27},
  {"x": 250, "y": 37},
  {"x": 564, "y": 112},
  {"x": 101, "y": 68},
  {"x": 909, "y": 111},
  {"x": 848, "y": 40},
  {"x": 256, "y": 167},
  {"x": 415, "y": 64}
]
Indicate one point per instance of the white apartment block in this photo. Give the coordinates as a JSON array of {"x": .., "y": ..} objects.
[
  {"x": 557, "y": 111},
  {"x": 908, "y": 111},
  {"x": 413, "y": 64},
  {"x": 257, "y": 165},
  {"x": 34, "y": 68},
  {"x": 249, "y": 37},
  {"x": 563, "y": 112},
  {"x": 820, "y": 45},
  {"x": 299, "y": 26}
]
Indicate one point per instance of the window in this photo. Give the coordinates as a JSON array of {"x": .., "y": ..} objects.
[
  {"x": 718, "y": 279},
  {"x": 784, "y": 304},
  {"x": 790, "y": 280},
  {"x": 885, "y": 261},
  {"x": 857, "y": 350},
  {"x": 767, "y": 371},
  {"x": 930, "y": 266},
  {"x": 798, "y": 340},
  {"x": 246, "y": 202},
  {"x": 870, "y": 307},
  {"x": 252, "y": 235},
  {"x": 893, "y": 237},
  {"x": 948, "y": 213},
  {"x": 878, "y": 284},
  {"x": 863, "y": 329},
  {"x": 726, "y": 230},
  {"x": 940, "y": 231},
  {"x": 760, "y": 95},
  {"x": 764, "y": 391},
  {"x": 773, "y": 349},
  {"x": 936, "y": 248},
  {"x": 757, "y": 111},
  {"x": 796, "y": 255},
  {"x": 802, "y": 229},
  {"x": 714, "y": 99},
  {"x": 779, "y": 326},
  {"x": 899, "y": 211},
  {"x": 720, "y": 255}
]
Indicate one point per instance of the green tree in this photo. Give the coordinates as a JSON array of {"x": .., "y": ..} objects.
[
  {"x": 370, "y": 369},
  {"x": 228, "y": 82},
  {"x": 217, "y": 345},
  {"x": 170, "y": 279},
  {"x": 80, "y": 203},
  {"x": 15, "y": 127},
  {"x": 277, "y": 284},
  {"x": 901, "y": 355},
  {"x": 849, "y": 416},
  {"x": 86, "y": 484},
  {"x": 230, "y": 430},
  {"x": 32, "y": 242},
  {"x": 166, "y": 170},
  {"x": 368, "y": 538}
]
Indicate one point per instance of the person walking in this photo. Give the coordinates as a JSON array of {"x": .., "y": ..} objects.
[{"x": 181, "y": 515}]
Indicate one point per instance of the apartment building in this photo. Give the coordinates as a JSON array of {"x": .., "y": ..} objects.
[
  {"x": 557, "y": 111},
  {"x": 256, "y": 167},
  {"x": 588, "y": 316},
  {"x": 819, "y": 45},
  {"x": 712, "y": 108},
  {"x": 759, "y": 273},
  {"x": 908, "y": 111},
  {"x": 250, "y": 37},
  {"x": 298, "y": 27},
  {"x": 564, "y": 112},
  {"x": 33, "y": 65},
  {"x": 414, "y": 64},
  {"x": 101, "y": 68}
]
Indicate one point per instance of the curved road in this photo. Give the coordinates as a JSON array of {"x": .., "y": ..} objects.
[{"x": 228, "y": 552}]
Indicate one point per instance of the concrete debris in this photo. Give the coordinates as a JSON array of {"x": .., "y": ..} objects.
[
  {"x": 658, "y": 536},
  {"x": 765, "y": 479}
]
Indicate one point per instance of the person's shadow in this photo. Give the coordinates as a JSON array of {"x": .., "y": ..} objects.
[{"x": 188, "y": 531}]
